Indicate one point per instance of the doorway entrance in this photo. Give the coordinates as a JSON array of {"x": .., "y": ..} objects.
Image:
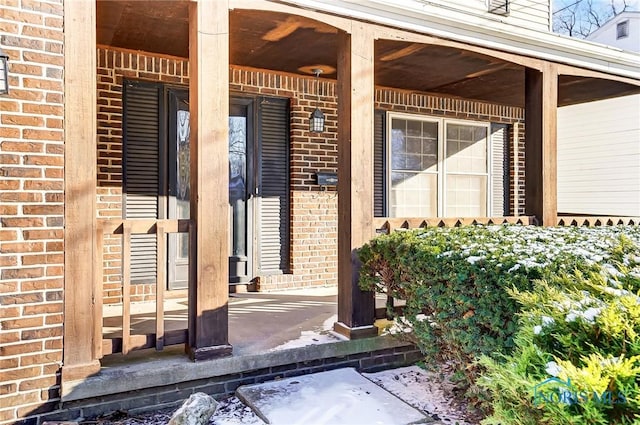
[{"x": 157, "y": 159}]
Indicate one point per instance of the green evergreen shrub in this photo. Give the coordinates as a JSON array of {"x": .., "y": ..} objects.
[{"x": 455, "y": 280}]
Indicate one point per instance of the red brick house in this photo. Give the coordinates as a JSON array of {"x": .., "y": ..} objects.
[{"x": 151, "y": 147}]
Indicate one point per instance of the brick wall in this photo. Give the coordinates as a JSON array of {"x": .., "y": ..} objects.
[{"x": 31, "y": 208}]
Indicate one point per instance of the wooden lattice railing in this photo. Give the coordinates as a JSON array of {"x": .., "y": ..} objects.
[
  {"x": 385, "y": 225},
  {"x": 597, "y": 221},
  {"x": 126, "y": 228}
]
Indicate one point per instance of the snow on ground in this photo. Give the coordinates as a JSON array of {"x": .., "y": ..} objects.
[
  {"x": 322, "y": 335},
  {"x": 421, "y": 389},
  {"x": 232, "y": 411}
]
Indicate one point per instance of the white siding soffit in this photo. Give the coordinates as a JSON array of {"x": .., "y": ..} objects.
[{"x": 482, "y": 30}]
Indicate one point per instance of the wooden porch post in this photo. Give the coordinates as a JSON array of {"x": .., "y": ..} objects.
[
  {"x": 82, "y": 308},
  {"x": 541, "y": 174},
  {"x": 209, "y": 105},
  {"x": 355, "y": 177}
]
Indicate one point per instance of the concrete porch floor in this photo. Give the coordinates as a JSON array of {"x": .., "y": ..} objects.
[{"x": 258, "y": 322}]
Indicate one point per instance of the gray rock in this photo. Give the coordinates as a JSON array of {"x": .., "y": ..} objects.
[{"x": 196, "y": 410}]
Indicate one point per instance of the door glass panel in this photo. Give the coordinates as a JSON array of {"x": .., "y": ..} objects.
[
  {"x": 238, "y": 184},
  {"x": 178, "y": 176},
  {"x": 182, "y": 180}
]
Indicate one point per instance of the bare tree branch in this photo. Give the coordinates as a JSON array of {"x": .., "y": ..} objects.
[{"x": 579, "y": 18}]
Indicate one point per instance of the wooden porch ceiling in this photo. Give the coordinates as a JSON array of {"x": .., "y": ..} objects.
[{"x": 295, "y": 44}]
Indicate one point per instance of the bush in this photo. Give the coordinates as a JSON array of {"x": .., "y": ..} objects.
[
  {"x": 455, "y": 280},
  {"x": 577, "y": 357}
]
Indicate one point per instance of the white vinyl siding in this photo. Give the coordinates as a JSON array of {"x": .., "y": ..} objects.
[
  {"x": 533, "y": 14},
  {"x": 599, "y": 157},
  {"x": 608, "y": 33},
  {"x": 530, "y": 13}
]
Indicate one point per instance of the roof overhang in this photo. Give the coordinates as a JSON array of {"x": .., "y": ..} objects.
[{"x": 422, "y": 17}]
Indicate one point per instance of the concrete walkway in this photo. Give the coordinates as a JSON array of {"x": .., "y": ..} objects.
[{"x": 336, "y": 397}]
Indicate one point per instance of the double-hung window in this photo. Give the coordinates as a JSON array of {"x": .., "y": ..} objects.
[
  {"x": 413, "y": 176},
  {"x": 466, "y": 170},
  {"x": 438, "y": 167}
]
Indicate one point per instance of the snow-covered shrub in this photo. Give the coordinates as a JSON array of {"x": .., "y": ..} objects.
[
  {"x": 577, "y": 356},
  {"x": 456, "y": 280}
]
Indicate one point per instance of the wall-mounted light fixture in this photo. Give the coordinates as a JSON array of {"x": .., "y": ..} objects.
[
  {"x": 4, "y": 75},
  {"x": 316, "y": 120}
]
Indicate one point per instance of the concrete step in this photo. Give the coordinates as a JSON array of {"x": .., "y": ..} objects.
[{"x": 336, "y": 397}]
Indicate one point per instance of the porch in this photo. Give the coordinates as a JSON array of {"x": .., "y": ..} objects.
[
  {"x": 368, "y": 67},
  {"x": 258, "y": 323},
  {"x": 294, "y": 338}
]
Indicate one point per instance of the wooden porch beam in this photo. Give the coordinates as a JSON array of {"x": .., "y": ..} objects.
[
  {"x": 355, "y": 177},
  {"x": 541, "y": 174},
  {"x": 587, "y": 73},
  {"x": 385, "y": 33},
  {"x": 209, "y": 247},
  {"x": 82, "y": 306}
]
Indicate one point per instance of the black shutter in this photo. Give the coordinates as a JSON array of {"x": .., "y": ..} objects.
[
  {"x": 141, "y": 171},
  {"x": 273, "y": 185},
  {"x": 499, "y": 170},
  {"x": 379, "y": 162}
]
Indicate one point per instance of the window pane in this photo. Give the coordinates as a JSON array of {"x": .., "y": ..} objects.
[
  {"x": 414, "y": 128},
  {"x": 398, "y": 148},
  {"x": 414, "y": 167},
  {"x": 413, "y": 194},
  {"x": 466, "y": 196},
  {"x": 414, "y": 145},
  {"x": 466, "y": 149}
]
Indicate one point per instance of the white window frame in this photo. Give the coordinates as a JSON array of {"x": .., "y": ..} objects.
[
  {"x": 441, "y": 173},
  {"x": 489, "y": 158}
]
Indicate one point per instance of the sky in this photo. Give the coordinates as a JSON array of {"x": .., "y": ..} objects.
[{"x": 634, "y": 4}]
